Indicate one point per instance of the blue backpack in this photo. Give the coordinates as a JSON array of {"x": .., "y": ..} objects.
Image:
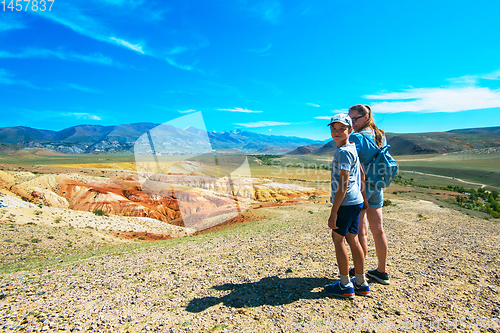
[{"x": 382, "y": 169}]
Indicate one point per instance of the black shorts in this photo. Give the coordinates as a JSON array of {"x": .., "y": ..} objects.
[{"x": 348, "y": 219}]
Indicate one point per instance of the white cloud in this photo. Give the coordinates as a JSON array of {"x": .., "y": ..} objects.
[
  {"x": 239, "y": 110},
  {"x": 8, "y": 78},
  {"x": 473, "y": 79},
  {"x": 78, "y": 87},
  {"x": 8, "y": 24},
  {"x": 60, "y": 54},
  {"x": 81, "y": 115},
  {"x": 312, "y": 104},
  {"x": 175, "y": 64},
  {"x": 122, "y": 42},
  {"x": 74, "y": 18},
  {"x": 187, "y": 111},
  {"x": 436, "y": 100},
  {"x": 262, "y": 124},
  {"x": 131, "y": 3},
  {"x": 323, "y": 117},
  {"x": 269, "y": 10},
  {"x": 262, "y": 50}
]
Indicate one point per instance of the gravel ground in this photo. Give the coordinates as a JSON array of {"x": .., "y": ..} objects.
[{"x": 268, "y": 276}]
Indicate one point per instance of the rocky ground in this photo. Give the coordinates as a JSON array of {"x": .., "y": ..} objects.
[{"x": 265, "y": 276}]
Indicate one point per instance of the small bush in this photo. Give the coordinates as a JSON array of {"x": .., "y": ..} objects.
[
  {"x": 35, "y": 240},
  {"x": 58, "y": 219},
  {"x": 99, "y": 212},
  {"x": 387, "y": 202}
]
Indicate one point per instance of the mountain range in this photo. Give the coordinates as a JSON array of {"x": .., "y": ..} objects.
[
  {"x": 83, "y": 139},
  {"x": 121, "y": 138}
]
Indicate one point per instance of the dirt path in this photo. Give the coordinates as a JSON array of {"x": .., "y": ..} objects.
[
  {"x": 447, "y": 177},
  {"x": 268, "y": 276}
]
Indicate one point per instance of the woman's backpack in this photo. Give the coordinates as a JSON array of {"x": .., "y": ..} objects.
[{"x": 382, "y": 169}]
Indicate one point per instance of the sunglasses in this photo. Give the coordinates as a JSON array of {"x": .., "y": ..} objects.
[{"x": 356, "y": 118}]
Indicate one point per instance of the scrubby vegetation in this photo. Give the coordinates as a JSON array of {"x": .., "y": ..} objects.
[
  {"x": 99, "y": 212},
  {"x": 481, "y": 199}
]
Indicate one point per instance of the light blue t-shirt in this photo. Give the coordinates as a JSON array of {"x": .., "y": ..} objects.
[
  {"x": 346, "y": 158},
  {"x": 365, "y": 149}
]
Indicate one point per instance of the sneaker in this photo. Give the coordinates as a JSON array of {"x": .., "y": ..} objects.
[
  {"x": 362, "y": 290},
  {"x": 340, "y": 291},
  {"x": 352, "y": 272},
  {"x": 379, "y": 277}
]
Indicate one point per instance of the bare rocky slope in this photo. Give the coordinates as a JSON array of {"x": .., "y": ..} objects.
[
  {"x": 268, "y": 276},
  {"x": 124, "y": 195}
]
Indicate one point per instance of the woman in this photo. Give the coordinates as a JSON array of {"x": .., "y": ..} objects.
[{"x": 362, "y": 122}]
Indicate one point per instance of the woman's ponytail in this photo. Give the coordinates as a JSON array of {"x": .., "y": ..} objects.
[{"x": 363, "y": 110}]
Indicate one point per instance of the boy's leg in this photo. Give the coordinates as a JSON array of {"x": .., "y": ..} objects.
[
  {"x": 341, "y": 253},
  {"x": 376, "y": 226},
  {"x": 357, "y": 253}
]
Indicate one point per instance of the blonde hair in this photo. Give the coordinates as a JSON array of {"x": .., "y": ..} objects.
[{"x": 363, "y": 110}]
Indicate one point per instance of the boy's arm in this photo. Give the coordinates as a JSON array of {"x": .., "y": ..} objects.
[
  {"x": 363, "y": 186},
  {"x": 339, "y": 197}
]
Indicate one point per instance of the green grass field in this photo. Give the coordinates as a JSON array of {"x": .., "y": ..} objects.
[{"x": 483, "y": 169}]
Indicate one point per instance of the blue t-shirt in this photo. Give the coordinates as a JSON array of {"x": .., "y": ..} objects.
[
  {"x": 365, "y": 149},
  {"x": 346, "y": 158}
]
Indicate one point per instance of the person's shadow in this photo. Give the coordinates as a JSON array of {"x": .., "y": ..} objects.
[{"x": 267, "y": 291}]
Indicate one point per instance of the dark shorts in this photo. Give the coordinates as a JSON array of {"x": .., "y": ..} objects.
[{"x": 348, "y": 219}]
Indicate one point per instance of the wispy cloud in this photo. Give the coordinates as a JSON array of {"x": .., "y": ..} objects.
[
  {"x": 60, "y": 54},
  {"x": 8, "y": 78},
  {"x": 473, "y": 79},
  {"x": 75, "y": 19},
  {"x": 187, "y": 111},
  {"x": 137, "y": 47},
  {"x": 175, "y": 64},
  {"x": 269, "y": 10},
  {"x": 10, "y": 24},
  {"x": 323, "y": 117},
  {"x": 78, "y": 87},
  {"x": 312, "y": 104},
  {"x": 436, "y": 100},
  {"x": 132, "y": 3},
  {"x": 239, "y": 110},
  {"x": 262, "y": 124},
  {"x": 82, "y": 115},
  {"x": 267, "y": 48}
]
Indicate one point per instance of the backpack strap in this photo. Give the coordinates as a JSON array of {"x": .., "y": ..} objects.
[{"x": 370, "y": 140}]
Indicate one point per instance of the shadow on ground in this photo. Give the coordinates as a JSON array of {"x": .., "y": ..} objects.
[{"x": 267, "y": 291}]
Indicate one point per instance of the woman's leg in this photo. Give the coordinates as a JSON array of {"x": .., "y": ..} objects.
[
  {"x": 363, "y": 232},
  {"x": 375, "y": 219}
]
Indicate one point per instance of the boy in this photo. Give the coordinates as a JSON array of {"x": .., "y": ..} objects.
[{"x": 348, "y": 201}]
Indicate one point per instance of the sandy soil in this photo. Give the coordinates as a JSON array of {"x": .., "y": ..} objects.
[{"x": 268, "y": 276}]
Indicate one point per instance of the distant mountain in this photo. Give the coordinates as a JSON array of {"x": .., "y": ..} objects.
[
  {"x": 121, "y": 138},
  {"x": 432, "y": 142},
  {"x": 304, "y": 150}
]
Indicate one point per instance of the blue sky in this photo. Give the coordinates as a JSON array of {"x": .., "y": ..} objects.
[{"x": 267, "y": 66}]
